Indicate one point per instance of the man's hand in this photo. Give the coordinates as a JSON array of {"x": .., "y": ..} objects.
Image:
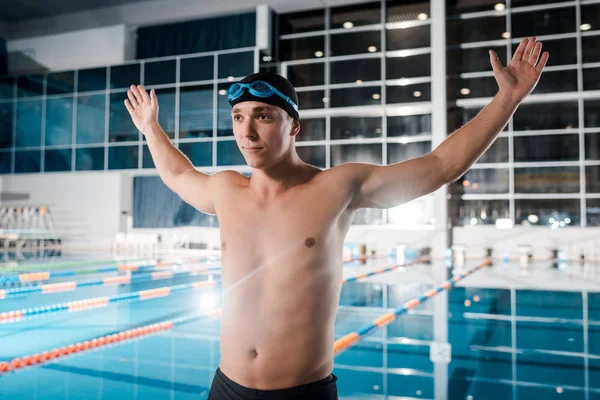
[
  {"x": 142, "y": 108},
  {"x": 519, "y": 78}
]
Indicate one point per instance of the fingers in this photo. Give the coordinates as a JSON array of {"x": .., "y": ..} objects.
[
  {"x": 129, "y": 106},
  {"x": 132, "y": 98},
  {"x": 528, "y": 49},
  {"x": 153, "y": 96},
  {"x": 535, "y": 54},
  {"x": 138, "y": 96},
  {"x": 520, "y": 50},
  {"x": 143, "y": 93},
  {"x": 542, "y": 62},
  {"x": 495, "y": 61}
]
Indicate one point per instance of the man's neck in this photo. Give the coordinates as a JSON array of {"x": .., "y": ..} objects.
[{"x": 268, "y": 184}]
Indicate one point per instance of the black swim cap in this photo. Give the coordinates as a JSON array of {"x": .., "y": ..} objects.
[{"x": 279, "y": 83}]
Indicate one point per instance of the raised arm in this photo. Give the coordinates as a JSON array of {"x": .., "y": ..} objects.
[
  {"x": 392, "y": 185},
  {"x": 174, "y": 168}
]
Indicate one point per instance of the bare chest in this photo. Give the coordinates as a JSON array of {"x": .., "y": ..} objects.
[{"x": 307, "y": 224}]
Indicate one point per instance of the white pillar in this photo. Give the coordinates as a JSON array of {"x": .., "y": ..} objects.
[{"x": 442, "y": 238}]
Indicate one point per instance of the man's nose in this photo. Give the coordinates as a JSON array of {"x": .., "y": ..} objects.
[{"x": 248, "y": 130}]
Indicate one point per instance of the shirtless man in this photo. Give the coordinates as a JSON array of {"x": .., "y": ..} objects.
[{"x": 283, "y": 229}]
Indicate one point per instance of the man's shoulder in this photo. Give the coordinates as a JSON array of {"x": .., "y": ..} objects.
[{"x": 227, "y": 178}]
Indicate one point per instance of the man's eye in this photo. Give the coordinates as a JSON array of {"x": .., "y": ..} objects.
[{"x": 264, "y": 116}]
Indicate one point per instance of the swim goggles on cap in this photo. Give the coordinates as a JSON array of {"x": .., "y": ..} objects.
[{"x": 258, "y": 89}]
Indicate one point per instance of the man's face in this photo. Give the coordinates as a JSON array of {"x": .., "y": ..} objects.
[{"x": 263, "y": 132}]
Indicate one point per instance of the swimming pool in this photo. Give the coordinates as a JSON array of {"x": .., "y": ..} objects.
[{"x": 507, "y": 343}]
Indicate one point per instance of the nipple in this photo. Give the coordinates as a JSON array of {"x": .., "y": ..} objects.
[{"x": 310, "y": 242}]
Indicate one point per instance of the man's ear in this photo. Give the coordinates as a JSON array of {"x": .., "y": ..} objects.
[{"x": 295, "y": 127}]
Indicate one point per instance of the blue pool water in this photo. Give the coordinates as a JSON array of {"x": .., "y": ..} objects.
[{"x": 506, "y": 344}]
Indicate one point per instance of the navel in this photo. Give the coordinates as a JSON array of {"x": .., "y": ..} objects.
[
  {"x": 254, "y": 353},
  {"x": 310, "y": 242},
  {"x": 223, "y": 245}
]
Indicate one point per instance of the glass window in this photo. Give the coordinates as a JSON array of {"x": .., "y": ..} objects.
[
  {"x": 564, "y": 47},
  {"x": 228, "y": 153},
  {"x": 547, "y": 180},
  {"x": 454, "y": 8},
  {"x": 557, "y": 81},
  {"x": 92, "y": 79},
  {"x": 166, "y": 115},
  {"x": 591, "y": 113},
  {"x": 59, "y": 121},
  {"x": 355, "y": 70},
  {"x": 28, "y": 161},
  {"x": 592, "y": 146},
  {"x": 302, "y": 48},
  {"x": 403, "y": 10},
  {"x": 547, "y": 148},
  {"x": 160, "y": 72},
  {"x": 468, "y": 30},
  {"x": 472, "y": 60},
  {"x": 6, "y": 125},
  {"x": 592, "y": 178},
  {"x": 123, "y": 76},
  {"x": 357, "y": 96},
  {"x": 6, "y": 162},
  {"x": 593, "y": 212},
  {"x": 300, "y": 22},
  {"x": 408, "y": 38},
  {"x": 57, "y": 160},
  {"x": 543, "y": 22},
  {"x": 535, "y": 117},
  {"x": 398, "y": 152},
  {"x": 408, "y": 93},
  {"x": 408, "y": 67},
  {"x": 91, "y": 112},
  {"x": 197, "y": 69},
  {"x": 224, "y": 122},
  {"x": 522, "y": 3},
  {"x": 89, "y": 159},
  {"x": 591, "y": 79},
  {"x": 589, "y": 49},
  {"x": 60, "y": 82},
  {"x": 123, "y": 157},
  {"x": 355, "y": 127},
  {"x": 590, "y": 14},
  {"x": 343, "y": 44},
  {"x": 497, "y": 153},
  {"x": 471, "y": 88},
  {"x": 306, "y": 74},
  {"x": 236, "y": 64},
  {"x": 30, "y": 86},
  {"x": 355, "y": 15},
  {"x": 311, "y": 100},
  {"x": 314, "y": 155},
  {"x": 488, "y": 181},
  {"x": 196, "y": 112},
  {"x": 409, "y": 125},
  {"x": 368, "y": 216},
  {"x": 121, "y": 127},
  {"x": 480, "y": 212},
  {"x": 311, "y": 129},
  {"x": 362, "y": 153},
  {"x": 29, "y": 123},
  {"x": 200, "y": 154},
  {"x": 147, "y": 161},
  {"x": 550, "y": 212},
  {"x": 7, "y": 88}
]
